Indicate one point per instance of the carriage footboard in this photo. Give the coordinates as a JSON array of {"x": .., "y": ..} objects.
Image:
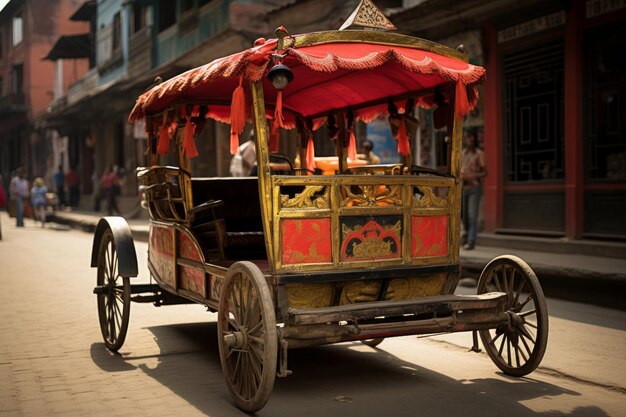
[{"x": 436, "y": 314}]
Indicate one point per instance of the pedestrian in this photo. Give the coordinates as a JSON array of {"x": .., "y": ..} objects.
[
  {"x": 473, "y": 171},
  {"x": 59, "y": 185},
  {"x": 368, "y": 150},
  {"x": 38, "y": 200},
  {"x": 71, "y": 180},
  {"x": 110, "y": 186},
  {"x": 18, "y": 190}
]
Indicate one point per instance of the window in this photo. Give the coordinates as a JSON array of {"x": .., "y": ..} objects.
[
  {"x": 533, "y": 113},
  {"x": 18, "y": 29},
  {"x": 17, "y": 79},
  {"x": 117, "y": 32},
  {"x": 139, "y": 17},
  {"x": 605, "y": 106},
  {"x": 167, "y": 14}
]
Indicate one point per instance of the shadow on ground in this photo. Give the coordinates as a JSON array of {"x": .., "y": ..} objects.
[{"x": 333, "y": 380}]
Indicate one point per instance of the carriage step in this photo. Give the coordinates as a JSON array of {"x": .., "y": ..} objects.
[{"x": 361, "y": 311}]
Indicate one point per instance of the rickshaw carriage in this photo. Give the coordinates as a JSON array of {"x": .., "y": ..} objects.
[{"x": 294, "y": 258}]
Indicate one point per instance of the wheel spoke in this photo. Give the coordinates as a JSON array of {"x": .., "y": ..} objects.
[
  {"x": 496, "y": 281},
  {"x": 519, "y": 291},
  {"x": 526, "y": 346},
  {"x": 508, "y": 351},
  {"x": 501, "y": 346},
  {"x": 254, "y": 329},
  {"x": 258, "y": 352},
  {"x": 528, "y": 313},
  {"x": 256, "y": 339},
  {"x": 524, "y": 332},
  {"x": 257, "y": 371},
  {"x": 531, "y": 324},
  {"x": 517, "y": 355}
]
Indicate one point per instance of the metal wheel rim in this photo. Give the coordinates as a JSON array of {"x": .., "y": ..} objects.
[
  {"x": 247, "y": 337},
  {"x": 517, "y": 347},
  {"x": 114, "y": 305}
]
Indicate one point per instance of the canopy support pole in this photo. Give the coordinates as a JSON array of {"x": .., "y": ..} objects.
[{"x": 263, "y": 163}]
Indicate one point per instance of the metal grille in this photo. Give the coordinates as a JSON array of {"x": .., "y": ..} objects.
[
  {"x": 605, "y": 107},
  {"x": 533, "y": 113}
]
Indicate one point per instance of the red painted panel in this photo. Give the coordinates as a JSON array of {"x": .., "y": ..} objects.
[
  {"x": 365, "y": 239},
  {"x": 306, "y": 241},
  {"x": 161, "y": 253},
  {"x": 192, "y": 280},
  {"x": 187, "y": 249},
  {"x": 429, "y": 236}
]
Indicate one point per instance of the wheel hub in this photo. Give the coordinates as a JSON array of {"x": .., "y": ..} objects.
[{"x": 237, "y": 340}]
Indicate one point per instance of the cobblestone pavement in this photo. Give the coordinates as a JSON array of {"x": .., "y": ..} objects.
[{"x": 53, "y": 361}]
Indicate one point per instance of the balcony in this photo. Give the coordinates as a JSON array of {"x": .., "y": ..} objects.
[
  {"x": 140, "y": 52},
  {"x": 82, "y": 87}
]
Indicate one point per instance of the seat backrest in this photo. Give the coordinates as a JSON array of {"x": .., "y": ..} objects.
[
  {"x": 164, "y": 191},
  {"x": 241, "y": 210}
]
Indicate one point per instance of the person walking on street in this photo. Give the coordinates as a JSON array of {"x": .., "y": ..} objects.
[
  {"x": 38, "y": 200},
  {"x": 110, "y": 185},
  {"x": 473, "y": 170},
  {"x": 18, "y": 190},
  {"x": 59, "y": 185},
  {"x": 71, "y": 179}
]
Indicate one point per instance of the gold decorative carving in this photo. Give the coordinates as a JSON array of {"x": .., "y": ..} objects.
[
  {"x": 428, "y": 199},
  {"x": 372, "y": 195},
  {"x": 310, "y": 295},
  {"x": 307, "y": 199},
  {"x": 368, "y": 15}
]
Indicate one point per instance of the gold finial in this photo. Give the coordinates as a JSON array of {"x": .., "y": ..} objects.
[{"x": 368, "y": 15}]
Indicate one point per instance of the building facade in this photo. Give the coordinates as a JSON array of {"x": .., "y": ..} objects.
[
  {"x": 553, "y": 118},
  {"x": 28, "y": 29}
]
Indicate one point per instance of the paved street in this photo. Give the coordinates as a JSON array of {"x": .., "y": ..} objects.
[{"x": 53, "y": 361}]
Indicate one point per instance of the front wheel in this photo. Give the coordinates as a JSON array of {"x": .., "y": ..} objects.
[
  {"x": 113, "y": 294},
  {"x": 247, "y": 336},
  {"x": 518, "y": 346}
]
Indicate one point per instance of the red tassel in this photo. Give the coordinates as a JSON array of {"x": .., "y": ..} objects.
[
  {"x": 461, "y": 105},
  {"x": 310, "y": 156},
  {"x": 352, "y": 146},
  {"x": 164, "y": 137},
  {"x": 188, "y": 142},
  {"x": 274, "y": 137},
  {"x": 278, "y": 111},
  {"x": 237, "y": 116},
  {"x": 403, "y": 140}
]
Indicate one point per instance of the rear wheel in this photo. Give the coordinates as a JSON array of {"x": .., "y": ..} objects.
[
  {"x": 247, "y": 336},
  {"x": 518, "y": 346},
  {"x": 113, "y": 295}
]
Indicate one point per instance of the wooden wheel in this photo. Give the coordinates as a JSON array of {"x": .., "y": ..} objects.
[
  {"x": 114, "y": 296},
  {"x": 518, "y": 346},
  {"x": 373, "y": 342},
  {"x": 247, "y": 336}
]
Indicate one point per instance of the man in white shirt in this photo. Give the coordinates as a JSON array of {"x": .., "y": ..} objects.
[{"x": 19, "y": 192}]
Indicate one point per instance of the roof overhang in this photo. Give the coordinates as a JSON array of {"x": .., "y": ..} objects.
[
  {"x": 70, "y": 47},
  {"x": 85, "y": 12}
]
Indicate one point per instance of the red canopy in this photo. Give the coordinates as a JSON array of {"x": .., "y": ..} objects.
[{"x": 327, "y": 76}]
